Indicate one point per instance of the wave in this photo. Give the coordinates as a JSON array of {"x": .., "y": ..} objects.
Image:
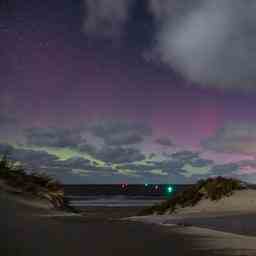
[{"x": 111, "y": 201}]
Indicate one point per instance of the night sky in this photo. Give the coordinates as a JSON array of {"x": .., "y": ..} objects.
[{"x": 95, "y": 91}]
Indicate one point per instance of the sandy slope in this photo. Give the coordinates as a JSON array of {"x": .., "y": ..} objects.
[
  {"x": 231, "y": 244},
  {"x": 240, "y": 201},
  {"x": 239, "y": 208},
  {"x": 24, "y": 233}
]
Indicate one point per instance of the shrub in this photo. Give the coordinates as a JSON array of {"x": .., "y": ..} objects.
[
  {"x": 212, "y": 188},
  {"x": 36, "y": 184}
]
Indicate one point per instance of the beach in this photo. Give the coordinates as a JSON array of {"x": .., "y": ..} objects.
[
  {"x": 27, "y": 230},
  {"x": 226, "y": 225},
  {"x": 24, "y": 231}
]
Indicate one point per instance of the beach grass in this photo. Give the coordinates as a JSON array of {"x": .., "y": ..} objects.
[
  {"x": 212, "y": 188},
  {"x": 14, "y": 178}
]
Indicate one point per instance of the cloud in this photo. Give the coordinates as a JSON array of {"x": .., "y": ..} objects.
[
  {"x": 225, "y": 169},
  {"x": 185, "y": 155},
  {"x": 190, "y": 170},
  {"x": 121, "y": 162},
  {"x": 106, "y": 18},
  {"x": 87, "y": 148},
  {"x": 9, "y": 127},
  {"x": 74, "y": 163},
  {"x": 120, "y": 132},
  {"x": 212, "y": 43},
  {"x": 6, "y": 120},
  {"x": 233, "y": 138},
  {"x": 30, "y": 159},
  {"x": 5, "y": 149},
  {"x": 209, "y": 169},
  {"x": 172, "y": 166},
  {"x": 81, "y": 165},
  {"x": 138, "y": 167},
  {"x": 186, "y": 164},
  {"x": 201, "y": 162},
  {"x": 107, "y": 128},
  {"x": 119, "y": 155},
  {"x": 52, "y": 137},
  {"x": 42, "y": 161},
  {"x": 164, "y": 141},
  {"x": 124, "y": 139},
  {"x": 246, "y": 167},
  {"x": 209, "y": 42}
]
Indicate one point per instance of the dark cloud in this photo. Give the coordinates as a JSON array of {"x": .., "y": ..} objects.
[
  {"x": 247, "y": 163},
  {"x": 120, "y": 132},
  {"x": 5, "y": 149},
  {"x": 126, "y": 170},
  {"x": 164, "y": 141},
  {"x": 107, "y": 128},
  {"x": 74, "y": 163},
  {"x": 87, "y": 148},
  {"x": 124, "y": 139},
  {"x": 138, "y": 167},
  {"x": 53, "y": 137},
  {"x": 32, "y": 157},
  {"x": 171, "y": 166},
  {"x": 78, "y": 163},
  {"x": 185, "y": 155},
  {"x": 233, "y": 138},
  {"x": 224, "y": 169},
  {"x": 106, "y": 18},
  {"x": 119, "y": 154},
  {"x": 34, "y": 160},
  {"x": 201, "y": 162},
  {"x": 196, "y": 177},
  {"x": 6, "y": 120}
]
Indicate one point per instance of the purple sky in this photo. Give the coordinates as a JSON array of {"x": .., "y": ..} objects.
[{"x": 56, "y": 72}]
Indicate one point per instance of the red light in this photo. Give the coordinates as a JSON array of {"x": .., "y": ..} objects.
[{"x": 124, "y": 186}]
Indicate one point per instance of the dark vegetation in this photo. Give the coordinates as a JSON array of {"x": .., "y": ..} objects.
[
  {"x": 212, "y": 188},
  {"x": 13, "y": 178}
]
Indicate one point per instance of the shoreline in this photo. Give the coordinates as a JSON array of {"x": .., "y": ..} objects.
[
  {"x": 25, "y": 233},
  {"x": 28, "y": 230},
  {"x": 231, "y": 233}
]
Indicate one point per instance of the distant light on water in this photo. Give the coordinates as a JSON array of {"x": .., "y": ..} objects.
[
  {"x": 169, "y": 189},
  {"x": 124, "y": 186}
]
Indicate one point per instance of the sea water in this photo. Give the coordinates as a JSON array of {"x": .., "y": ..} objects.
[{"x": 122, "y": 195}]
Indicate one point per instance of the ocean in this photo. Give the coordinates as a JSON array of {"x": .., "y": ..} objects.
[{"x": 120, "y": 195}]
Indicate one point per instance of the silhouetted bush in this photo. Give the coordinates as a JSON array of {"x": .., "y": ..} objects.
[
  {"x": 36, "y": 184},
  {"x": 212, "y": 188}
]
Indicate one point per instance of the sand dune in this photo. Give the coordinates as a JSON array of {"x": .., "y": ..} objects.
[
  {"x": 236, "y": 214},
  {"x": 240, "y": 201}
]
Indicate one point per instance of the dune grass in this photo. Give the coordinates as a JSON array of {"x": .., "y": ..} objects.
[
  {"x": 35, "y": 184},
  {"x": 212, "y": 188}
]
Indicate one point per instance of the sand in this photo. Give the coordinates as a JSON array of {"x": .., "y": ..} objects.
[
  {"x": 27, "y": 229},
  {"x": 241, "y": 201},
  {"x": 226, "y": 225},
  {"x": 25, "y": 232}
]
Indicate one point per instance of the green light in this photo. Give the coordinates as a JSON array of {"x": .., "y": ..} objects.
[
  {"x": 169, "y": 189},
  {"x": 146, "y": 185}
]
